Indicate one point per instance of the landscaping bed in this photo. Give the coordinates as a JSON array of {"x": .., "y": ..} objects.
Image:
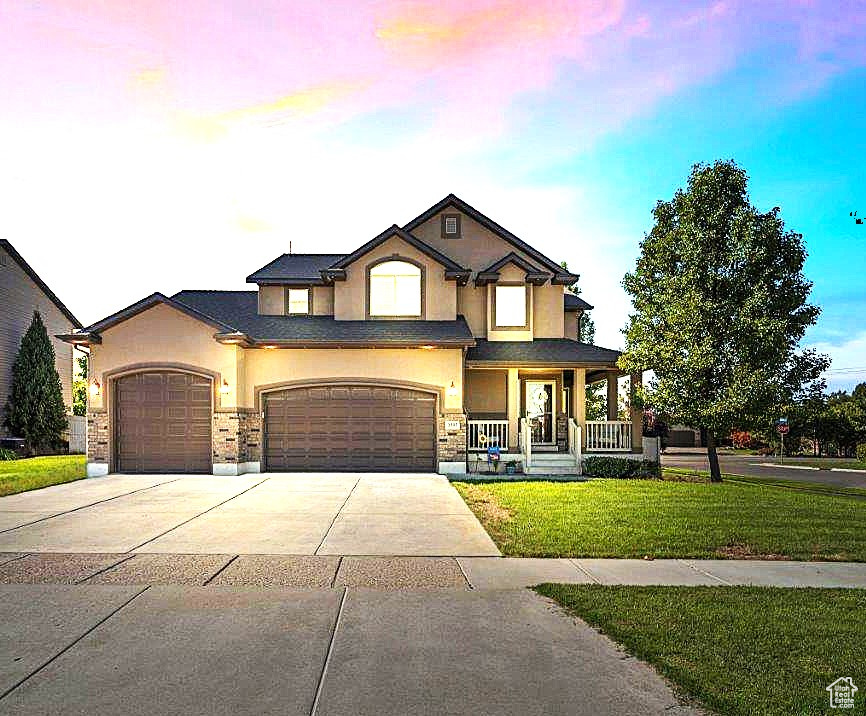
[
  {"x": 35, "y": 472},
  {"x": 737, "y": 650},
  {"x": 661, "y": 518}
]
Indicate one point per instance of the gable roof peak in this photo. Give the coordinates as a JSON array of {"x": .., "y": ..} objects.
[{"x": 560, "y": 275}]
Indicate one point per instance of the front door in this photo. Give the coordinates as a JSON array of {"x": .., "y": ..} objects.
[{"x": 540, "y": 409}]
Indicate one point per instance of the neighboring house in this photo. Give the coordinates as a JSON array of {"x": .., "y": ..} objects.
[
  {"x": 21, "y": 293},
  {"x": 428, "y": 341}
]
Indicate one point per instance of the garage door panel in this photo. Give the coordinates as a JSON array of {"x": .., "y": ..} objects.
[
  {"x": 349, "y": 428},
  {"x": 163, "y": 423}
]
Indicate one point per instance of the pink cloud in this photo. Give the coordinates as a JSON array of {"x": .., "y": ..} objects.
[{"x": 463, "y": 63}]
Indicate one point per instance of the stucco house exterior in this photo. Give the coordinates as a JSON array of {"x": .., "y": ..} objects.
[
  {"x": 21, "y": 293},
  {"x": 414, "y": 352}
]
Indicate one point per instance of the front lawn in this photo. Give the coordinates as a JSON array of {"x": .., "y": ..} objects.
[
  {"x": 35, "y": 472},
  {"x": 636, "y": 518},
  {"x": 738, "y": 650}
]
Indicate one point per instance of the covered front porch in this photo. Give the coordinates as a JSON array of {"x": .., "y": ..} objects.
[{"x": 537, "y": 413}]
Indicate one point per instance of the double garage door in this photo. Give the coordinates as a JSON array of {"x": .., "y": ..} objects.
[
  {"x": 163, "y": 425},
  {"x": 350, "y": 427}
]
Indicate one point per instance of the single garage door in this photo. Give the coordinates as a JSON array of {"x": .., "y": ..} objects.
[
  {"x": 163, "y": 422},
  {"x": 350, "y": 427}
]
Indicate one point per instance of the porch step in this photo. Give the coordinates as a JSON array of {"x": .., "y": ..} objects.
[{"x": 551, "y": 469}]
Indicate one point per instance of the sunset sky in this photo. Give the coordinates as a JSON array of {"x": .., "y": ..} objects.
[{"x": 155, "y": 146}]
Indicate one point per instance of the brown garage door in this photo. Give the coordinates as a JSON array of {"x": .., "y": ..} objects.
[
  {"x": 163, "y": 422},
  {"x": 350, "y": 428}
]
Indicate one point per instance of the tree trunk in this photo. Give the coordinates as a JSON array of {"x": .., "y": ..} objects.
[{"x": 712, "y": 456}]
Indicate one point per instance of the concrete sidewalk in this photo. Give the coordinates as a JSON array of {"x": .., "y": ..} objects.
[
  {"x": 510, "y": 573},
  {"x": 406, "y": 573}
]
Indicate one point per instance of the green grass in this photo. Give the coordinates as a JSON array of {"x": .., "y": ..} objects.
[
  {"x": 738, "y": 650},
  {"x": 678, "y": 473},
  {"x": 635, "y": 518},
  {"x": 35, "y": 472}
]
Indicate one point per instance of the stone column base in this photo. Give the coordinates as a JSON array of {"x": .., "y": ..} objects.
[
  {"x": 97, "y": 469},
  {"x": 236, "y": 468}
]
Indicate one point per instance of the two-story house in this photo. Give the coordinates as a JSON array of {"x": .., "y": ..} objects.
[
  {"x": 21, "y": 293},
  {"x": 426, "y": 344}
]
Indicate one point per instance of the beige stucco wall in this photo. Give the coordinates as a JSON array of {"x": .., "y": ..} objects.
[
  {"x": 350, "y": 296},
  {"x": 548, "y": 314},
  {"x": 323, "y": 300},
  {"x": 163, "y": 334},
  {"x": 486, "y": 391},
  {"x": 437, "y": 367},
  {"x": 19, "y": 298},
  {"x": 477, "y": 249},
  {"x": 272, "y": 300},
  {"x": 570, "y": 325},
  {"x": 472, "y": 304}
]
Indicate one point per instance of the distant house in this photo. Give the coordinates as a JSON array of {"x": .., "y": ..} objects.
[{"x": 21, "y": 293}]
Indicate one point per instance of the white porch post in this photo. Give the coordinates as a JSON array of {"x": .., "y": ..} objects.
[
  {"x": 612, "y": 394},
  {"x": 636, "y": 415},
  {"x": 513, "y": 391},
  {"x": 579, "y": 407}
]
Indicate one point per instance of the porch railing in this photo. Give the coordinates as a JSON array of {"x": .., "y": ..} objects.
[
  {"x": 483, "y": 433},
  {"x": 608, "y": 436}
]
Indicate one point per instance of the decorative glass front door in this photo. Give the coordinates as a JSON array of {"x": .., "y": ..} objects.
[{"x": 540, "y": 409}]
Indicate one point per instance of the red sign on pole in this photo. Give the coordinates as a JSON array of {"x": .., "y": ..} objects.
[{"x": 783, "y": 429}]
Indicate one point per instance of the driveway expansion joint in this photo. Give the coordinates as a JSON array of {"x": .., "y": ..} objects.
[
  {"x": 339, "y": 512},
  {"x": 219, "y": 571},
  {"x": 320, "y": 687},
  {"x": 83, "y": 507},
  {"x": 75, "y": 641},
  {"x": 104, "y": 569},
  {"x": 195, "y": 517}
]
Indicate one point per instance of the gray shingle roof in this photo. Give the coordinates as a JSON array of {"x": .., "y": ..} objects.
[
  {"x": 543, "y": 351},
  {"x": 576, "y": 303},
  {"x": 295, "y": 267},
  {"x": 239, "y": 309}
]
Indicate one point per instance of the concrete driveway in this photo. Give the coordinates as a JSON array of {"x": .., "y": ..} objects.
[
  {"x": 351, "y": 652},
  {"x": 297, "y": 514}
]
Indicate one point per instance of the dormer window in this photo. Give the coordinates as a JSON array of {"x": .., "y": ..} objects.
[
  {"x": 298, "y": 302},
  {"x": 451, "y": 226},
  {"x": 394, "y": 290}
]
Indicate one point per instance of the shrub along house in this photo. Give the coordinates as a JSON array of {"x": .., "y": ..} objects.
[{"x": 413, "y": 352}]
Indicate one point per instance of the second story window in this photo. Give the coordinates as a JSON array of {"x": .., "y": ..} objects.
[
  {"x": 298, "y": 301},
  {"x": 395, "y": 289},
  {"x": 509, "y": 307}
]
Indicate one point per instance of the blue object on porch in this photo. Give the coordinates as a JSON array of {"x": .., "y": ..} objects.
[{"x": 493, "y": 454}]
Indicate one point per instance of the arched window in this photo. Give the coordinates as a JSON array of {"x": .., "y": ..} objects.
[{"x": 395, "y": 289}]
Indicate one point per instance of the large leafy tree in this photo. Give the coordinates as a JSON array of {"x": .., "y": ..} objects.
[
  {"x": 79, "y": 388},
  {"x": 720, "y": 307},
  {"x": 35, "y": 409}
]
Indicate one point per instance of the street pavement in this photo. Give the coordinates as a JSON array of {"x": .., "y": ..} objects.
[{"x": 763, "y": 467}]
